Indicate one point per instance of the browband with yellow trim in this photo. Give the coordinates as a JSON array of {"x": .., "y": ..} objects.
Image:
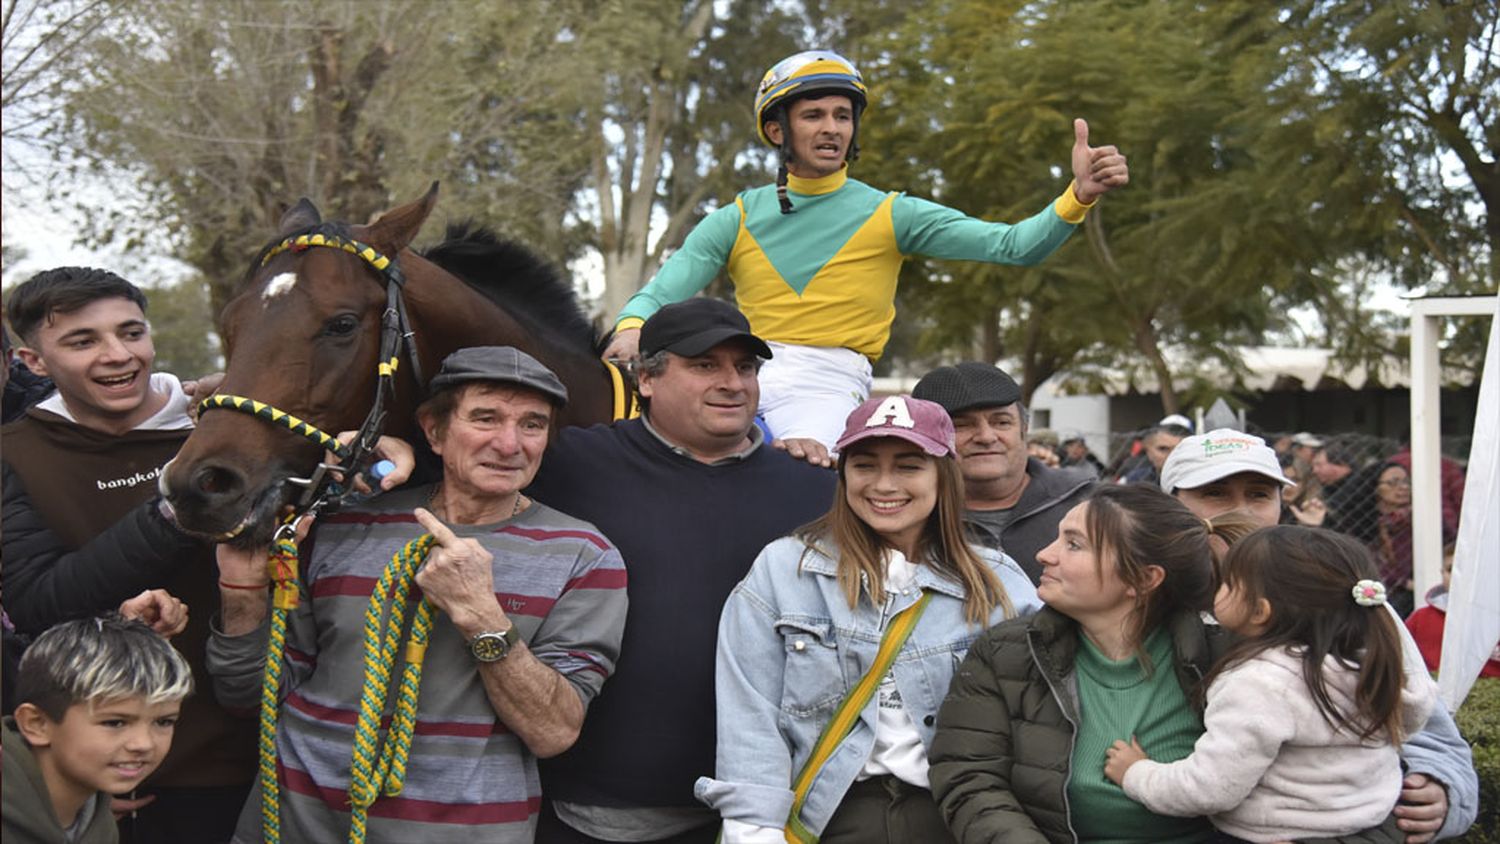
[{"x": 363, "y": 251}]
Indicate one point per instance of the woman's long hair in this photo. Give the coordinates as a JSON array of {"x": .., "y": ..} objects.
[
  {"x": 942, "y": 546},
  {"x": 1139, "y": 526},
  {"x": 1307, "y": 575}
]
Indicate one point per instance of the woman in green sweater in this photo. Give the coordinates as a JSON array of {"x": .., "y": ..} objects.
[{"x": 1117, "y": 652}]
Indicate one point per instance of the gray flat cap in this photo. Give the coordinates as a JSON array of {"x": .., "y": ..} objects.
[
  {"x": 967, "y": 386},
  {"x": 505, "y": 364}
]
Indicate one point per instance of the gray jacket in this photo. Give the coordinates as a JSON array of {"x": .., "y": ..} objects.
[{"x": 1048, "y": 497}]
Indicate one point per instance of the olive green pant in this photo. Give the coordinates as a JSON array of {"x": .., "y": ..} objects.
[{"x": 885, "y": 810}]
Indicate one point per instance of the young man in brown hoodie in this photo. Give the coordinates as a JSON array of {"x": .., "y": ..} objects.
[{"x": 84, "y": 530}]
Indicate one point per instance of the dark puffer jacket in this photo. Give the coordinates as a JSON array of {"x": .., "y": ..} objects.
[{"x": 1005, "y": 733}]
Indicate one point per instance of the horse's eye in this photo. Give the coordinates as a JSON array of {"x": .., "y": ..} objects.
[{"x": 341, "y": 326}]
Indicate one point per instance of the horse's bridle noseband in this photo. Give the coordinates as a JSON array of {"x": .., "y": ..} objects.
[{"x": 395, "y": 332}]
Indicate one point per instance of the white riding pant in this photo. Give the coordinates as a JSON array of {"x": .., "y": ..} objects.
[{"x": 808, "y": 391}]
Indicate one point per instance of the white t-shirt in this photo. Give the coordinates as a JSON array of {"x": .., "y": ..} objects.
[
  {"x": 173, "y": 415},
  {"x": 898, "y": 746}
]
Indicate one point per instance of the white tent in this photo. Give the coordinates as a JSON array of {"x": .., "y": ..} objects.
[{"x": 1473, "y": 627}]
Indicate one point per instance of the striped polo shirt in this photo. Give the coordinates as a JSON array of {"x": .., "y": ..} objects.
[{"x": 469, "y": 778}]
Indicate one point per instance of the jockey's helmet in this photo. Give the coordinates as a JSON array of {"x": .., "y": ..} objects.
[{"x": 811, "y": 72}]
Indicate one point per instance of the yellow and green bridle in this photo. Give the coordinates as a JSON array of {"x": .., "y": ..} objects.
[{"x": 395, "y": 333}]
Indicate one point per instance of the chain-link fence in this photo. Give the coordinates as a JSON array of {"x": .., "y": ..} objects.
[{"x": 1357, "y": 484}]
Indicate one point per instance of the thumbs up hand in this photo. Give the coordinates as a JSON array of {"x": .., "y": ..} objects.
[{"x": 1096, "y": 170}]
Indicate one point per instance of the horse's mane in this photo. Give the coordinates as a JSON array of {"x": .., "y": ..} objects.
[{"x": 515, "y": 278}]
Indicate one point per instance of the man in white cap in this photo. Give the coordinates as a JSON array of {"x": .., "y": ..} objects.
[{"x": 1226, "y": 470}]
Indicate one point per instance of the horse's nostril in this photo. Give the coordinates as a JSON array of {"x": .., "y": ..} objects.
[{"x": 218, "y": 480}]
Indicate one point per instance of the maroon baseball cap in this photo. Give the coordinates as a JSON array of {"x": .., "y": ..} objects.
[{"x": 923, "y": 423}]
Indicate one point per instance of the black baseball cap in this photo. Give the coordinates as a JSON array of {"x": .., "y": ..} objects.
[
  {"x": 505, "y": 364},
  {"x": 967, "y": 386},
  {"x": 694, "y": 326}
]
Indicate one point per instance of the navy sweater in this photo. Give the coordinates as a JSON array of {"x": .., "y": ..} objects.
[{"x": 688, "y": 532}]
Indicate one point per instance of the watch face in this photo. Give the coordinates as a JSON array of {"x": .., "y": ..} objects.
[{"x": 489, "y": 647}]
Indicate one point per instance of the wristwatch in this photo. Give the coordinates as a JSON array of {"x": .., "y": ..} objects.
[{"x": 493, "y": 646}]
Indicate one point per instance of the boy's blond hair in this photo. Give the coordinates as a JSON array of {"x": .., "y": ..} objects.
[{"x": 93, "y": 660}]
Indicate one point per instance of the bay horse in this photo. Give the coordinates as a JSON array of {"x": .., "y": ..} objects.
[{"x": 303, "y": 334}]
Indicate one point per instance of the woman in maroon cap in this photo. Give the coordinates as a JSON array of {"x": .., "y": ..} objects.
[{"x": 836, "y": 650}]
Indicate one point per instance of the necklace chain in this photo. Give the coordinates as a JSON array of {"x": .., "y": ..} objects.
[{"x": 432, "y": 503}]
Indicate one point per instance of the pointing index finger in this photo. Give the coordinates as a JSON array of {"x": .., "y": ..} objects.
[{"x": 434, "y": 526}]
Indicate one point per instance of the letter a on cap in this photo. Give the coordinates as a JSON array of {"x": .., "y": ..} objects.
[{"x": 892, "y": 409}]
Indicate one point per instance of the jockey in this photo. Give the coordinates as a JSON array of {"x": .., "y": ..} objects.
[{"x": 814, "y": 258}]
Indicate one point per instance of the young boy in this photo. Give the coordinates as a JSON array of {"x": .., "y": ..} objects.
[{"x": 99, "y": 700}]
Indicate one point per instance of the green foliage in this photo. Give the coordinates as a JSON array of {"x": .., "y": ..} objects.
[
  {"x": 182, "y": 329},
  {"x": 1281, "y": 155},
  {"x": 1203, "y": 250},
  {"x": 223, "y": 113},
  {"x": 1479, "y": 722}
]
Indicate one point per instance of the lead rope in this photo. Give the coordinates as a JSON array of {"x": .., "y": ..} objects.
[
  {"x": 375, "y": 767},
  {"x": 283, "y": 568}
]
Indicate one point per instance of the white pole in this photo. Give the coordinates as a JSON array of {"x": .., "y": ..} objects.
[
  {"x": 1426, "y": 455},
  {"x": 1426, "y": 492}
]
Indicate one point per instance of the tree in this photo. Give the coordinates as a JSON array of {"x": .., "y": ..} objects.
[
  {"x": 224, "y": 112},
  {"x": 40, "y": 43},
  {"x": 1423, "y": 79},
  {"x": 671, "y": 122},
  {"x": 181, "y": 329}
]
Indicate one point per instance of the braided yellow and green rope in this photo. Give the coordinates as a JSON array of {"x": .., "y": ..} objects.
[
  {"x": 377, "y": 767},
  {"x": 283, "y": 568},
  {"x": 371, "y": 772}
]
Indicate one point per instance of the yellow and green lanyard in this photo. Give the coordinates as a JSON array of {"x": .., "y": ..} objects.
[{"x": 847, "y": 715}]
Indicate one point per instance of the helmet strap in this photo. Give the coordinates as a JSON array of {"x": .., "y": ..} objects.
[
  {"x": 853, "y": 153},
  {"x": 785, "y": 150},
  {"x": 781, "y": 197}
]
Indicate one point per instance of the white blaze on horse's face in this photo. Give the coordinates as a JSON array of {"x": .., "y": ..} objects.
[{"x": 278, "y": 286}]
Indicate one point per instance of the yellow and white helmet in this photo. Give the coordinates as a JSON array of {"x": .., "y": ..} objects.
[{"x": 808, "y": 72}]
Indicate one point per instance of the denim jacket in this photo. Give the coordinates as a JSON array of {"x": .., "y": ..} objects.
[{"x": 790, "y": 649}]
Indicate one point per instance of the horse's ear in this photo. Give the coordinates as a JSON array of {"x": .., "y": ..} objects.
[
  {"x": 303, "y": 215},
  {"x": 398, "y": 227}
]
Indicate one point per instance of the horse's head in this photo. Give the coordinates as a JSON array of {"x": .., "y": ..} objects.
[{"x": 302, "y": 336}]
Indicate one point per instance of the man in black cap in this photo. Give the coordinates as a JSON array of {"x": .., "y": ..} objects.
[
  {"x": 690, "y": 494},
  {"x": 1012, "y": 501}
]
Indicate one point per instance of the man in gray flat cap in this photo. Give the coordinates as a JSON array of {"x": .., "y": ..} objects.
[
  {"x": 530, "y": 612},
  {"x": 1012, "y": 501}
]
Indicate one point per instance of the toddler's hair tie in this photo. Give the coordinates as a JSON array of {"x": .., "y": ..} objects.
[{"x": 1369, "y": 593}]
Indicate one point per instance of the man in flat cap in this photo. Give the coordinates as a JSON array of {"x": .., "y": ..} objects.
[
  {"x": 530, "y": 608},
  {"x": 1012, "y": 501}
]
